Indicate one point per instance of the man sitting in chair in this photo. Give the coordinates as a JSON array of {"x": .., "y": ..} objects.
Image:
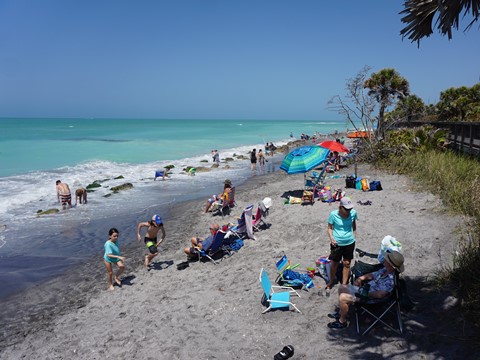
[
  {"x": 199, "y": 243},
  {"x": 381, "y": 285}
]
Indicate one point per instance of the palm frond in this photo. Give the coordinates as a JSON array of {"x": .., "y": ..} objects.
[{"x": 420, "y": 16}]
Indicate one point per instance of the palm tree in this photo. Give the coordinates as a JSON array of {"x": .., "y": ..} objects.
[
  {"x": 419, "y": 16},
  {"x": 410, "y": 108},
  {"x": 386, "y": 86}
]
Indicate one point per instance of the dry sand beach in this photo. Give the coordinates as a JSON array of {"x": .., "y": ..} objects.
[{"x": 212, "y": 311}]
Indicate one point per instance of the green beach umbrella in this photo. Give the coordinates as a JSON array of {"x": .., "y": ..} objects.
[{"x": 303, "y": 159}]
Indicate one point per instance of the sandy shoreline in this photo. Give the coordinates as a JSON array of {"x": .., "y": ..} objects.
[{"x": 214, "y": 312}]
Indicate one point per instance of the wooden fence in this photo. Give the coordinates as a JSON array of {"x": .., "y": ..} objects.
[{"x": 463, "y": 136}]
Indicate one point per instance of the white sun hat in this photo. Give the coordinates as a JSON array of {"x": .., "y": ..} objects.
[{"x": 267, "y": 202}]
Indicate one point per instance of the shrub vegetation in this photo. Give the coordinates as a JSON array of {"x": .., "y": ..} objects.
[{"x": 421, "y": 153}]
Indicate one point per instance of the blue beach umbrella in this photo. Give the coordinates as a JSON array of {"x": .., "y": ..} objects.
[{"x": 303, "y": 159}]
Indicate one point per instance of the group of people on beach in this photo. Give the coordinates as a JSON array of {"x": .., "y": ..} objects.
[
  {"x": 112, "y": 250},
  {"x": 154, "y": 236},
  {"x": 65, "y": 196},
  {"x": 257, "y": 158},
  {"x": 342, "y": 232}
]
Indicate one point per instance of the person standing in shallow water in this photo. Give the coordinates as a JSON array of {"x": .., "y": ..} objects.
[
  {"x": 153, "y": 227},
  {"x": 261, "y": 160},
  {"x": 253, "y": 160},
  {"x": 216, "y": 157},
  {"x": 81, "y": 195},
  {"x": 63, "y": 193},
  {"x": 112, "y": 256}
]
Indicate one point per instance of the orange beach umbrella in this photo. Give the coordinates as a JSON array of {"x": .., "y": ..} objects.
[{"x": 358, "y": 134}]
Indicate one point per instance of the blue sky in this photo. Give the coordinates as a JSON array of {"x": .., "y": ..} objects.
[{"x": 242, "y": 59}]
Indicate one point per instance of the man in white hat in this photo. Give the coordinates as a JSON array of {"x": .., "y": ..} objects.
[
  {"x": 381, "y": 284},
  {"x": 342, "y": 231}
]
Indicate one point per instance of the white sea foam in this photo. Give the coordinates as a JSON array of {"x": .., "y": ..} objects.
[{"x": 26, "y": 194}]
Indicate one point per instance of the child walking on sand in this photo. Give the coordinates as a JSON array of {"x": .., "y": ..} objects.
[{"x": 112, "y": 256}]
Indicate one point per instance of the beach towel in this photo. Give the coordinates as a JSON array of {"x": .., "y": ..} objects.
[{"x": 293, "y": 278}]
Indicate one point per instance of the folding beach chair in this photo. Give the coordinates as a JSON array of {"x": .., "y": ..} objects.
[
  {"x": 231, "y": 197},
  {"x": 313, "y": 183},
  {"x": 224, "y": 205},
  {"x": 261, "y": 214},
  {"x": 384, "y": 311},
  {"x": 244, "y": 228},
  {"x": 316, "y": 179},
  {"x": 220, "y": 206},
  {"x": 257, "y": 221},
  {"x": 275, "y": 300},
  {"x": 216, "y": 247},
  {"x": 289, "y": 278}
]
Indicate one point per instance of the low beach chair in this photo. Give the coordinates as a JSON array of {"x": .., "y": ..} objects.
[
  {"x": 261, "y": 214},
  {"x": 276, "y": 300},
  {"x": 313, "y": 183},
  {"x": 216, "y": 247},
  {"x": 303, "y": 281},
  {"x": 257, "y": 221},
  {"x": 223, "y": 205},
  {"x": 231, "y": 198},
  {"x": 316, "y": 179},
  {"x": 244, "y": 228}
]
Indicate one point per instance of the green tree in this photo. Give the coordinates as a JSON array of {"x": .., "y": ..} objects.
[
  {"x": 409, "y": 108},
  {"x": 420, "y": 15},
  {"x": 431, "y": 113},
  {"x": 459, "y": 104},
  {"x": 386, "y": 87}
]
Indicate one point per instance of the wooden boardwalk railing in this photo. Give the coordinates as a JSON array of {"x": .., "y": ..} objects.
[{"x": 463, "y": 136}]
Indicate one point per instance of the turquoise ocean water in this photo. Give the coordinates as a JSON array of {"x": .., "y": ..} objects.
[
  {"x": 34, "y": 153},
  {"x": 45, "y": 144}
]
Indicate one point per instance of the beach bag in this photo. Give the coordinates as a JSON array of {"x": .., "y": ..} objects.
[
  {"x": 358, "y": 184},
  {"x": 350, "y": 182},
  {"x": 388, "y": 243},
  {"x": 324, "y": 267},
  {"x": 365, "y": 185},
  {"x": 338, "y": 194},
  {"x": 375, "y": 186},
  {"x": 236, "y": 244},
  {"x": 325, "y": 195}
]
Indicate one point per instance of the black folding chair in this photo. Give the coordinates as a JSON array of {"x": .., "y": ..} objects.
[{"x": 384, "y": 311}]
